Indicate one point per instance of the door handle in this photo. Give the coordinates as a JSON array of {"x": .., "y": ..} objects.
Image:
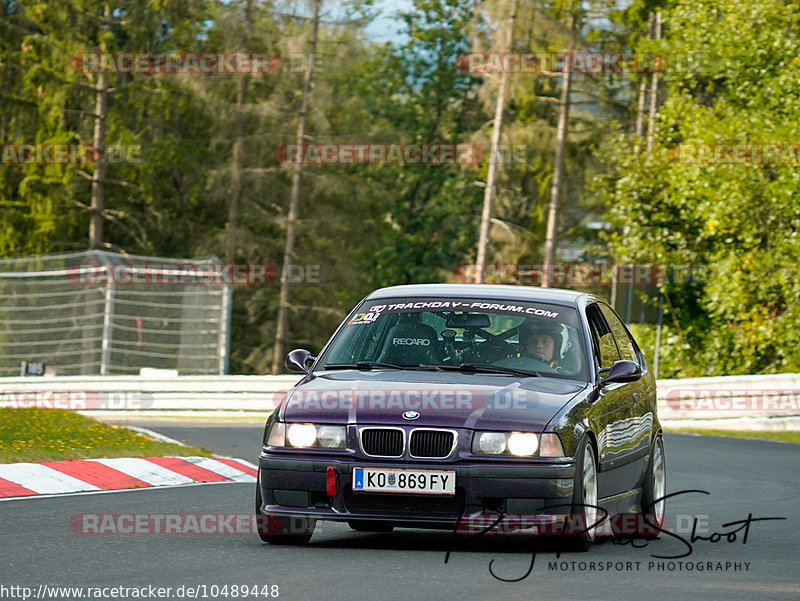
[{"x": 635, "y": 397}]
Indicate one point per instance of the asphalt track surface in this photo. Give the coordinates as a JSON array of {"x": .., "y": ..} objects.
[{"x": 742, "y": 476}]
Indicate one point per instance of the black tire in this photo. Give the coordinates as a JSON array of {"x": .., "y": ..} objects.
[
  {"x": 584, "y": 498},
  {"x": 653, "y": 488},
  {"x": 367, "y": 526},
  {"x": 281, "y": 530}
]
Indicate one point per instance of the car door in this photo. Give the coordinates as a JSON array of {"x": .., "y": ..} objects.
[
  {"x": 613, "y": 414},
  {"x": 642, "y": 392}
]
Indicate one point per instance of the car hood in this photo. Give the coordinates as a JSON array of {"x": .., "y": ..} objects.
[{"x": 445, "y": 399}]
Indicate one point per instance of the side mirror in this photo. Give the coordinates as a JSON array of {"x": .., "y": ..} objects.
[
  {"x": 622, "y": 371},
  {"x": 298, "y": 360}
]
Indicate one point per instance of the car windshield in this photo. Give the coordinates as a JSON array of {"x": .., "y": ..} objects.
[{"x": 466, "y": 334}]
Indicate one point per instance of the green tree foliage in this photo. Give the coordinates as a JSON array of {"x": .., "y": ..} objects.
[
  {"x": 434, "y": 216},
  {"x": 738, "y": 221},
  {"x": 601, "y": 104},
  {"x": 338, "y": 205},
  {"x": 55, "y": 97},
  {"x": 373, "y": 225}
]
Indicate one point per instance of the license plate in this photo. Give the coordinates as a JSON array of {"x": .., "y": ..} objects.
[{"x": 379, "y": 479}]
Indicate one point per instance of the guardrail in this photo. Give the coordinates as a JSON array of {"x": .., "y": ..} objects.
[
  {"x": 137, "y": 393},
  {"x": 764, "y": 402},
  {"x": 768, "y": 401}
]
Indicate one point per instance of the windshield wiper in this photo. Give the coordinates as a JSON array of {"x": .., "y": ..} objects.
[
  {"x": 367, "y": 365},
  {"x": 489, "y": 368}
]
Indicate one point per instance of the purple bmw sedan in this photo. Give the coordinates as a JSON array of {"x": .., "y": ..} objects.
[{"x": 474, "y": 408}]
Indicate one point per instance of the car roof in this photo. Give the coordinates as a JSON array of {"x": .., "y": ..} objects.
[{"x": 558, "y": 296}]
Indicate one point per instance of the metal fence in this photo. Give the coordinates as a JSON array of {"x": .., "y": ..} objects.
[{"x": 71, "y": 312}]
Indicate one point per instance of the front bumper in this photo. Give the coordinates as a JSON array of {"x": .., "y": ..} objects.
[{"x": 297, "y": 486}]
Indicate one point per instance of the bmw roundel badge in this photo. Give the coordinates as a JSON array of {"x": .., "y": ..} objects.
[{"x": 410, "y": 414}]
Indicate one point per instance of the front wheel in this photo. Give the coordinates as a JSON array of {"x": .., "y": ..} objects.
[
  {"x": 581, "y": 529},
  {"x": 654, "y": 490},
  {"x": 282, "y": 530}
]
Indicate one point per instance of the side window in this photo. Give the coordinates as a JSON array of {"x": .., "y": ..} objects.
[
  {"x": 626, "y": 346},
  {"x": 602, "y": 338}
]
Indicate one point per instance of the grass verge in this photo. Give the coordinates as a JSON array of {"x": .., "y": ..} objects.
[
  {"x": 782, "y": 435},
  {"x": 36, "y": 435}
]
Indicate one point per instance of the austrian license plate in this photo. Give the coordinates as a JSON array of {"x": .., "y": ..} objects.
[{"x": 379, "y": 479}]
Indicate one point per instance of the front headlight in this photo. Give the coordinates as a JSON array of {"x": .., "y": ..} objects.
[
  {"x": 307, "y": 436},
  {"x": 520, "y": 444},
  {"x": 301, "y": 435},
  {"x": 492, "y": 443},
  {"x": 331, "y": 437}
]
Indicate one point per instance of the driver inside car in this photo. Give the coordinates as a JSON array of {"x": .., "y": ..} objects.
[{"x": 543, "y": 341}]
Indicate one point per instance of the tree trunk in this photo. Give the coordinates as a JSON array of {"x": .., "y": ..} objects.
[
  {"x": 98, "y": 203},
  {"x": 236, "y": 166},
  {"x": 653, "y": 91},
  {"x": 491, "y": 177},
  {"x": 640, "y": 110},
  {"x": 282, "y": 332},
  {"x": 558, "y": 172}
]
